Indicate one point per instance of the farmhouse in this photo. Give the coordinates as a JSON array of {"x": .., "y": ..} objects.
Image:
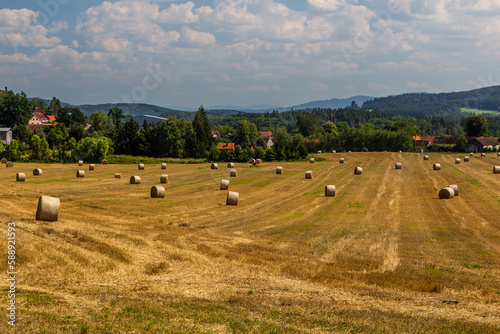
[
  {"x": 225, "y": 146},
  {"x": 267, "y": 136},
  {"x": 39, "y": 117},
  {"x": 6, "y": 135},
  {"x": 480, "y": 144}
]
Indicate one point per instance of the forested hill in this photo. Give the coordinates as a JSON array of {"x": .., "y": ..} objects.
[
  {"x": 136, "y": 109},
  {"x": 416, "y": 104}
]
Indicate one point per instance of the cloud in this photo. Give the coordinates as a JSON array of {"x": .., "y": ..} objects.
[
  {"x": 197, "y": 38},
  {"x": 422, "y": 87},
  {"x": 326, "y": 5},
  {"x": 318, "y": 86}
]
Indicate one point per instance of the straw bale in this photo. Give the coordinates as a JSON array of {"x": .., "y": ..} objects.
[
  {"x": 48, "y": 208},
  {"x": 446, "y": 193},
  {"x": 157, "y": 192},
  {"x": 232, "y": 198},
  {"x": 224, "y": 185},
  {"x": 329, "y": 191}
]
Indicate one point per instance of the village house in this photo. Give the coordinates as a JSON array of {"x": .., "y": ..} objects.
[
  {"x": 481, "y": 144},
  {"x": 39, "y": 117},
  {"x": 225, "y": 146},
  {"x": 6, "y": 135},
  {"x": 267, "y": 136}
]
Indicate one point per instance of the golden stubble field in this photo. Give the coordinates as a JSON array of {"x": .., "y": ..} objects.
[{"x": 383, "y": 255}]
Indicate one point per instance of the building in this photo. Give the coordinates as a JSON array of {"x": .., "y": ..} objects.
[
  {"x": 6, "y": 135},
  {"x": 481, "y": 144},
  {"x": 39, "y": 117},
  {"x": 225, "y": 146},
  {"x": 267, "y": 136}
]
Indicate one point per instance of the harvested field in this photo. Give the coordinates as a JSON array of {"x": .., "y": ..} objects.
[{"x": 383, "y": 255}]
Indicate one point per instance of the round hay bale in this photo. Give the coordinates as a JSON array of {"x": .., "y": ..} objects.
[
  {"x": 496, "y": 170},
  {"x": 426, "y": 157},
  {"x": 224, "y": 185},
  {"x": 165, "y": 178},
  {"x": 140, "y": 166},
  {"x": 233, "y": 173},
  {"x": 279, "y": 170},
  {"x": 329, "y": 191},
  {"x": 214, "y": 166},
  {"x": 104, "y": 162},
  {"x": 446, "y": 193},
  {"x": 9, "y": 164},
  {"x": 4, "y": 161},
  {"x": 232, "y": 198},
  {"x": 251, "y": 161},
  {"x": 400, "y": 151},
  {"x": 91, "y": 167},
  {"x": 319, "y": 152},
  {"x": 80, "y": 163},
  {"x": 157, "y": 192},
  {"x": 466, "y": 159},
  {"x": 455, "y": 189},
  {"x": 350, "y": 152},
  {"x": 258, "y": 161},
  {"x": 498, "y": 154},
  {"x": 80, "y": 173},
  {"x": 341, "y": 160},
  {"x": 163, "y": 165},
  {"x": 471, "y": 154},
  {"x": 20, "y": 177},
  {"x": 311, "y": 160},
  {"x": 333, "y": 151},
  {"x": 118, "y": 175},
  {"x": 483, "y": 155},
  {"x": 457, "y": 161},
  {"x": 436, "y": 166},
  {"x": 398, "y": 165},
  {"x": 48, "y": 209},
  {"x": 134, "y": 179},
  {"x": 358, "y": 170},
  {"x": 37, "y": 171},
  {"x": 230, "y": 165},
  {"x": 421, "y": 151},
  {"x": 309, "y": 174}
]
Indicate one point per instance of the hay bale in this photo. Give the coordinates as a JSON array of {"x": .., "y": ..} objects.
[
  {"x": 400, "y": 151},
  {"x": 20, "y": 177},
  {"x": 232, "y": 198},
  {"x": 341, "y": 160},
  {"x": 165, "y": 178},
  {"x": 230, "y": 165},
  {"x": 157, "y": 192},
  {"x": 426, "y": 157},
  {"x": 333, "y": 151},
  {"x": 496, "y": 170},
  {"x": 471, "y": 154},
  {"x": 80, "y": 173},
  {"x": 421, "y": 151},
  {"x": 140, "y": 166},
  {"x": 483, "y": 155},
  {"x": 48, "y": 209},
  {"x": 118, "y": 175},
  {"x": 37, "y": 171},
  {"x": 455, "y": 189},
  {"x": 163, "y": 165},
  {"x": 311, "y": 160},
  {"x": 398, "y": 165},
  {"x": 258, "y": 161},
  {"x": 279, "y": 170},
  {"x": 214, "y": 166},
  {"x": 80, "y": 163},
  {"x": 358, "y": 170},
  {"x": 224, "y": 185},
  {"x": 91, "y": 167},
  {"x": 9, "y": 164},
  {"x": 350, "y": 152},
  {"x": 104, "y": 162},
  {"x": 498, "y": 154},
  {"x": 232, "y": 173},
  {"x": 309, "y": 174},
  {"x": 446, "y": 193},
  {"x": 251, "y": 161},
  {"x": 4, "y": 161},
  {"x": 319, "y": 152},
  {"x": 466, "y": 159},
  {"x": 436, "y": 166},
  {"x": 329, "y": 191},
  {"x": 134, "y": 179},
  {"x": 457, "y": 161}
]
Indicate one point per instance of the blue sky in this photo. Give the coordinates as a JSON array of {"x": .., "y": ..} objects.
[{"x": 246, "y": 52}]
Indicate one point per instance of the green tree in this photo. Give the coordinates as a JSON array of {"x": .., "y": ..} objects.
[
  {"x": 246, "y": 134},
  {"x": 476, "y": 126},
  {"x": 308, "y": 124},
  {"x": 12, "y": 151},
  {"x": 36, "y": 153},
  {"x": 202, "y": 133},
  {"x": 2, "y": 148},
  {"x": 14, "y": 109},
  {"x": 329, "y": 127},
  {"x": 45, "y": 150},
  {"x": 100, "y": 122},
  {"x": 93, "y": 149},
  {"x": 460, "y": 145}
]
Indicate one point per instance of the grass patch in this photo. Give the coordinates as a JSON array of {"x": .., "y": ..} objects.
[
  {"x": 479, "y": 111},
  {"x": 129, "y": 159}
]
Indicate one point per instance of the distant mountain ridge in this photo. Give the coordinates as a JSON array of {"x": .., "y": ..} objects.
[{"x": 334, "y": 103}]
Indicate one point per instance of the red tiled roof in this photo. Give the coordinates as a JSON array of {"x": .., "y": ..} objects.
[
  {"x": 51, "y": 118},
  {"x": 266, "y": 134},
  {"x": 225, "y": 146}
]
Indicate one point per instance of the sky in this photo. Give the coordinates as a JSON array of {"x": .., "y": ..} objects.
[{"x": 246, "y": 52}]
